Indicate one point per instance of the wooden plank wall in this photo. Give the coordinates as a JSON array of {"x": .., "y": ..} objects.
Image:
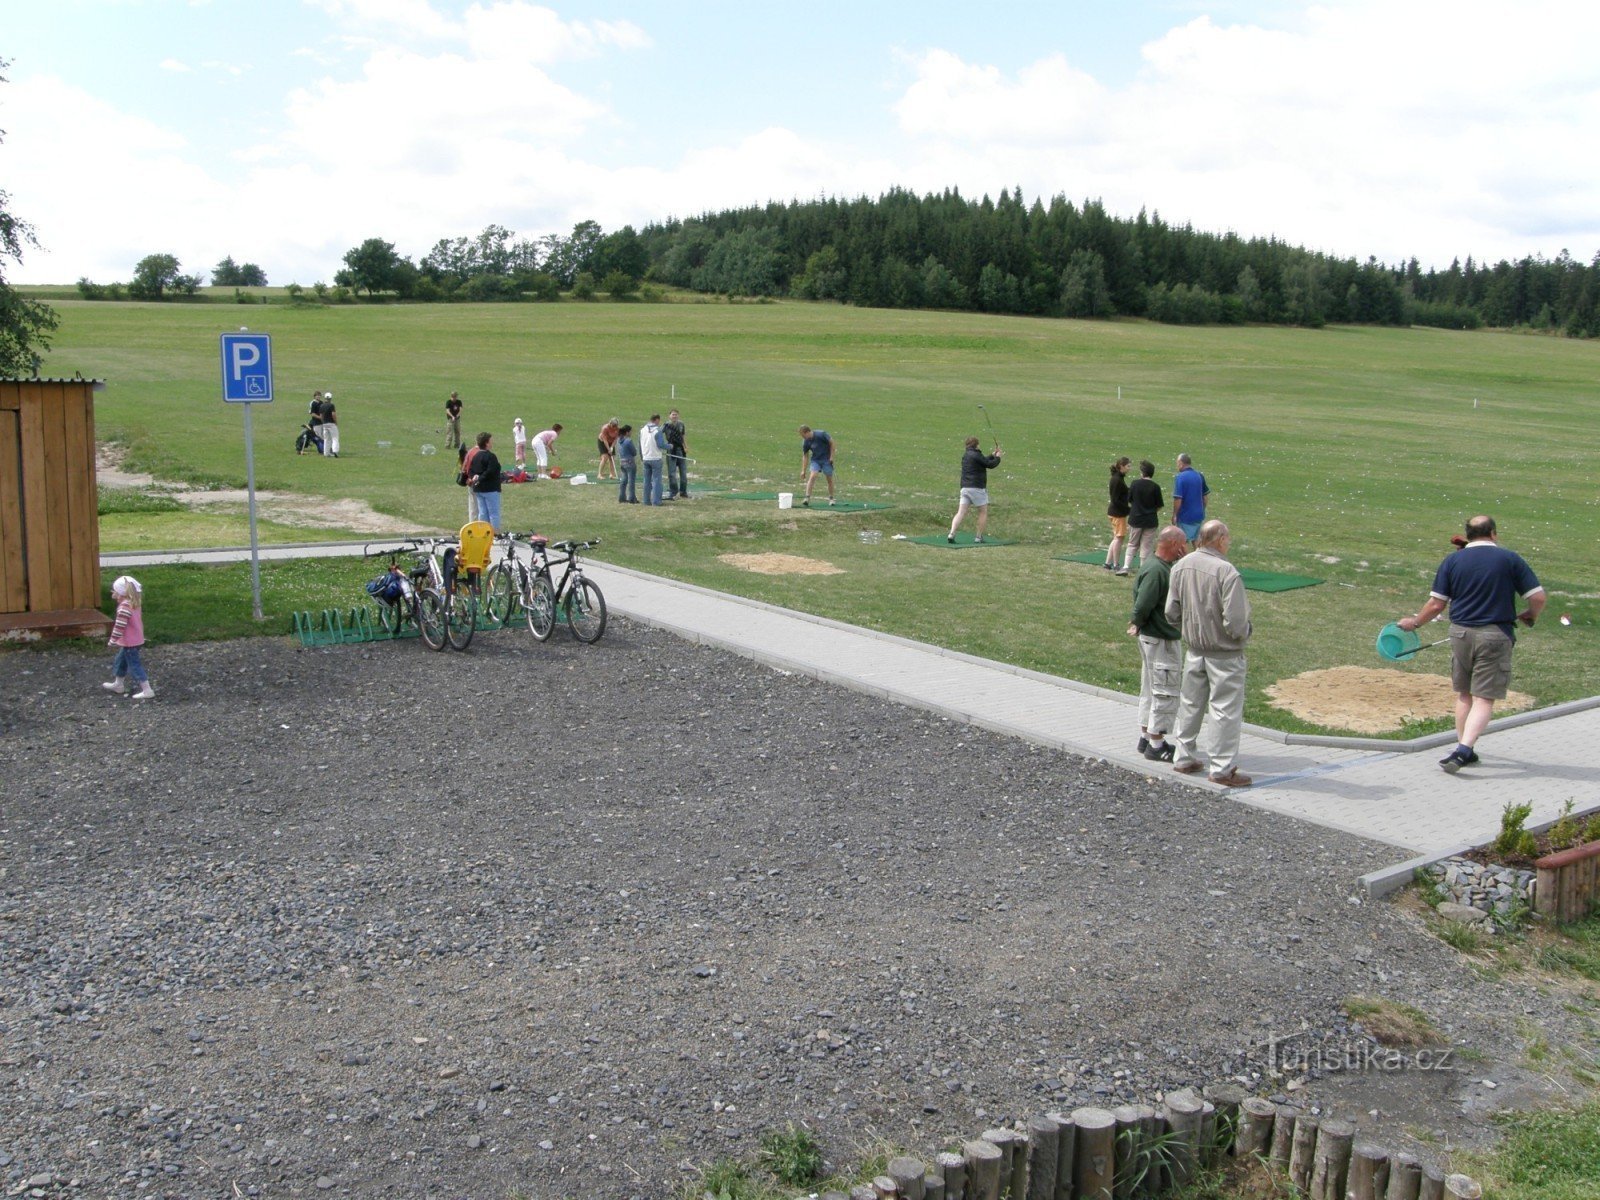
[{"x": 49, "y": 515}]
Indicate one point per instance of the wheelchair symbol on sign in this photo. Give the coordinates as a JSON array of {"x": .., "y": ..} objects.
[{"x": 255, "y": 385}]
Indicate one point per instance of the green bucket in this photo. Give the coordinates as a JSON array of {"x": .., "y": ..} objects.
[{"x": 1396, "y": 644}]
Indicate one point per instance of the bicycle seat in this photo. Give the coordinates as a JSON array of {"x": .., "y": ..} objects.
[{"x": 538, "y": 539}]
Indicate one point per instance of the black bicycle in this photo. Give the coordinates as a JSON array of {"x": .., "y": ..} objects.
[{"x": 575, "y": 596}]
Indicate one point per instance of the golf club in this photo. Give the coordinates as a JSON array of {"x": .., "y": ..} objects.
[{"x": 995, "y": 437}]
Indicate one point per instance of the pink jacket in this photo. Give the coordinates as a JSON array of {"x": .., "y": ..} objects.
[{"x": 128, "y": 629}]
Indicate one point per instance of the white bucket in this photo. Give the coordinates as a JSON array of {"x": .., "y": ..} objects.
[
  {"x": 580, "y": 479},
  {"x": 785, "y": 499}
]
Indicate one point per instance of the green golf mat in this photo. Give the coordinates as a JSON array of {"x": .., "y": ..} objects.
[
  {"x": 1254, "y": 581},
  {"x": 963, "y": 541},
  {"x": 816, "y": 504}
]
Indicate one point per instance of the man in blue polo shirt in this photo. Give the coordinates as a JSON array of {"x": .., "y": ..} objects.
[
  {"x": 1480, "y": 583},
  {"x": 1189, "y": 492}
]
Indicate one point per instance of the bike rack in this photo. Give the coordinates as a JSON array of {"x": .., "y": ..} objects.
[{"x": 333, "y": 627}]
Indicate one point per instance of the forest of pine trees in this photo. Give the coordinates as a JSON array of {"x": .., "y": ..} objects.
[{"x": 1007, "y": 256}]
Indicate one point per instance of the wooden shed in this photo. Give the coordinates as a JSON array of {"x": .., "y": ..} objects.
[{"x": 49, "y": 510}]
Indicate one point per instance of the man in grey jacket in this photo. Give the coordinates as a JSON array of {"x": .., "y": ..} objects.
[{"x": 1206, "y": 600}]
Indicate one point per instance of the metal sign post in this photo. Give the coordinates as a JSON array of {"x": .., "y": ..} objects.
[{"x": 247, "y": 380}]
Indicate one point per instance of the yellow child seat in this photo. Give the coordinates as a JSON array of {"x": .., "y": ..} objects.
[{"x": 477, "y": 540}]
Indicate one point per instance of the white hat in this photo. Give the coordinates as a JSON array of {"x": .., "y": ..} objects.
[{"x": 123, "y": 584}]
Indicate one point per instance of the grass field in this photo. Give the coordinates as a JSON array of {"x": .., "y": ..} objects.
[{"x": 1351, "y": 454}]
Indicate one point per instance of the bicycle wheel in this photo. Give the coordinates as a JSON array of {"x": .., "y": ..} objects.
[
  {"x": 500, "y": 596},
  {"x": 540, "y": 606},
  {"x": 430, "y": 618},
  {"x": 585, "y": 610},
  {"x": 462, "y": 615}
]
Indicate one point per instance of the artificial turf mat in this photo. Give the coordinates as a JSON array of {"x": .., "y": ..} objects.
[
  {"x": 816, "y": 504},
  {"x": 963, "y": 541},
  {"x": 1254, "y": 581}
]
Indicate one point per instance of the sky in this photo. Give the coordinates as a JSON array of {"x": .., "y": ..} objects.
[{"x": 285, "y": 132}]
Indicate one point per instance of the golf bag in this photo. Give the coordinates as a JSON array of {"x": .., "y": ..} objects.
[{"x": 309, "y": 439}]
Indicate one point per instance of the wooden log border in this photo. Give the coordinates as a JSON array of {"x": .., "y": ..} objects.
[{"x": 1136, "y": 1152}]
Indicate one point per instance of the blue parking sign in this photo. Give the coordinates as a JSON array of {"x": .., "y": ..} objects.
[{"x": 247, "y": 368}]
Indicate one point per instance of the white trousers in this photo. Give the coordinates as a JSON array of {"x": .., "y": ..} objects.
[{"x": 1212, "y": 693}]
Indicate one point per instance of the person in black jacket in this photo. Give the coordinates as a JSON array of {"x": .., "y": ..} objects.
[
  {"x": 485, "y": 481},
  {"x": 1118, "y": 512},
  {"x": 975, "y": 468}
]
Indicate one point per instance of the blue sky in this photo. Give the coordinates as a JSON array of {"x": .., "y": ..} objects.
[{"x": 283, "y": 132}]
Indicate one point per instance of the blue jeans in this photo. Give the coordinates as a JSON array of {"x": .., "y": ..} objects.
[
  {"x": 677, "y": 475},
  {"x": 129, "y": 663},
  {"x": 628, "y": 481},
  {"x": 489, "y": 508},
  {"x": 652, "y": 481}
]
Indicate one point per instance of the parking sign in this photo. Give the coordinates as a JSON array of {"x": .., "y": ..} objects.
[{"x": 247, "y": 368}]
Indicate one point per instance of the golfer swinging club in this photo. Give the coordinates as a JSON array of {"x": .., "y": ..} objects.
[{"x": 975, "y": 468}]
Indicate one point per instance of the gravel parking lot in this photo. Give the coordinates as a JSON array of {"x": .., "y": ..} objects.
[{"x": 554, "y": 920}]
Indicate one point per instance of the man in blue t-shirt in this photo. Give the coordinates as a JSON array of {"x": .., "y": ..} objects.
[
  {"x": 816, "y": 458},
  {"x": 1480, "y": 583},
  {"x": 1189, "y": 492}
]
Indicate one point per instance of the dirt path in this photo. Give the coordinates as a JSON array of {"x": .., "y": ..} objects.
[{"x": 285, "y": 508}]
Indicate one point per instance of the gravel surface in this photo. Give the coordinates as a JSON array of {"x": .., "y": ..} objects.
[{"x": 554, "y": 920}]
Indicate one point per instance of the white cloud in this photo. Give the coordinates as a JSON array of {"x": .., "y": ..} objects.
[
  {"x": 1366, "y": 128},
  {"x": 172, "y": 64},
  {"x": 1362, "y": 128}
]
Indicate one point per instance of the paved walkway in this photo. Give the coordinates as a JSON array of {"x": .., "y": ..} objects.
[{"x": 1366, "y": 788}]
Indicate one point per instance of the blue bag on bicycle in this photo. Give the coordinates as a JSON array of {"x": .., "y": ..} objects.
[{"x": 385, "y": 587}]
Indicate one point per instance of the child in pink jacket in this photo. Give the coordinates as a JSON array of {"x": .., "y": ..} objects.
[{"x": 127, "y": 634}]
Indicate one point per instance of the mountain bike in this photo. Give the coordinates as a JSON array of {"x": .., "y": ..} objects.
[
  {"x": 577, "y": 598},
  {"x": 415, "y": 600},
  {"x": 514, "y": 586}
]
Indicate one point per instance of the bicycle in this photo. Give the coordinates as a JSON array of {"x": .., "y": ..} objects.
[
  {"x": 514, "y": 585},
  {"x": 415, "y": 600},
  {"x": 463, "y": 567},
  {"x": 577, "y": 598}
]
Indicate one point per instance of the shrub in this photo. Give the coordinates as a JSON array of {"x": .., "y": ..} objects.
[
  {"x": 1565, "y": 832},
  {"x": 583, "y": 286},
  {"x": 1512, "y": 836}
]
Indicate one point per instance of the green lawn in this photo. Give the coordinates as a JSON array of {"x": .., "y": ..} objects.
[{"x": 1356, "y": 445}]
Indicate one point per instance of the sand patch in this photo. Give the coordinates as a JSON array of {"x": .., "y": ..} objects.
[
  {"x": 1371, "y": 700},
  {"x": 284, "y": 508},
  {"x": 780, "y": 564}
]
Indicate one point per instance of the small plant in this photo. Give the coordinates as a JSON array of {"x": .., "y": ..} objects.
[
  {"x": 1565, "y": 832},
  {"x": 1512, "y": 818},
  {"x": 1591, "y": 828},
  {"x": 724, "y": 1179},
  {"x": 791, "y": 1154},
  {"x": 1392, "y": 1024},
  {"x": 1464, "y": 938}
]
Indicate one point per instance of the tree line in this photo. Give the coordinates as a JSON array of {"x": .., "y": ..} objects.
[{"x": 944, "y": 251}]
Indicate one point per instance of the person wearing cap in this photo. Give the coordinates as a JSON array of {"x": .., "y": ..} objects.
[
  {"x": 330, "y": 427},
  {"x": 1480, "y": 584},
  {"x": 519, "y": 441}
]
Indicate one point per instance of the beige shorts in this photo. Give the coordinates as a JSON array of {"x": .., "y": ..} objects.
[
  {"x": 1119, "y": 527},
  {"x": 1480, "y": 661}
]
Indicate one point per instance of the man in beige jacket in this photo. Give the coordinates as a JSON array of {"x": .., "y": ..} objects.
[{"x": 1207, "y": 602}]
